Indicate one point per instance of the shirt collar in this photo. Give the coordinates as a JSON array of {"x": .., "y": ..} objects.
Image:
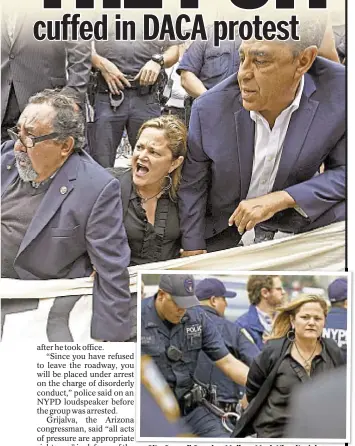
[
  {"x": 322, "y": 354},
  {"x": 292, "y": 107},
  {"x": 210, "y": 310},
  {"x": 265, "y": 319},
  {"x": 36, "y": 185}
]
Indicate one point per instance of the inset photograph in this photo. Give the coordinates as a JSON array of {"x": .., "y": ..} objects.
[{"x": 244, "y": 355}]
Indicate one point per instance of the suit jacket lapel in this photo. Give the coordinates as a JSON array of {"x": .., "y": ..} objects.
[
  {"x": 60, "y": 188},
  {"x": 20, "y": 20},
  {"x": 5, "y": 34},
  {"x": 245, "y": 129},
  {"x": 298, "y": 128},
  {"x": 8, "y": 173}
]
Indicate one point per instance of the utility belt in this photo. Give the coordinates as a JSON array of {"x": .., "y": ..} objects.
[
  {"x": 117, "y": 99},
  {"x": 195, "y": 397},
  {"x": 229, "y": 407},
  {"x": 135, "y": 85},
  {"x": 171, "y": 110}
]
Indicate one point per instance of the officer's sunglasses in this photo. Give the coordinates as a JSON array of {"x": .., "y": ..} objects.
[{"x": 29, "y": 141}]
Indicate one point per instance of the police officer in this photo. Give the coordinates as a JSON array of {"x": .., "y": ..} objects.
[
  {"x": 174, "y": 331},
  {"x": 212, "y": 295},
  {"x": 336, "y": 322},
  {"x": 204, "y": 65},
  {"x": 129, "y": 73}
]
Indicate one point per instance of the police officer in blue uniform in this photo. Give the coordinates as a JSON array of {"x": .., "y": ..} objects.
[
  {"x": 128, "y": 81},
  {"x": 174, "y": 331},
  {"x": 204, "y": 65},
  {"x": 336, "y": 322},
  {"x": 212, "y": 294}
]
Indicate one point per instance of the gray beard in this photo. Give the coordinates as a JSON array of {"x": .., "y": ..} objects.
[{"x": 26, "y": 172}]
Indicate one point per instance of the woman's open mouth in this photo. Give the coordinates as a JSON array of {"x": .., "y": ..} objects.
[{"x": 141, "y": 170}]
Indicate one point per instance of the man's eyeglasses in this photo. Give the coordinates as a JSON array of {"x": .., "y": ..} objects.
[{"x": 29, "y": 141}]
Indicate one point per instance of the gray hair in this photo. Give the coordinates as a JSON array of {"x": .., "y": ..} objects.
[
  {"x": 311, "y": 33},
  {"x": 68, "y": 120}
]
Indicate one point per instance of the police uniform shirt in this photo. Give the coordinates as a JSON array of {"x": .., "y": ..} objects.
[
  {"x": 130, "y": 56},
  {"x": 194, "y": 333},
  {"x": 336, "y": 327},
  {"x": 241, "y": 346},
  {"x": 211, "y": 64}
]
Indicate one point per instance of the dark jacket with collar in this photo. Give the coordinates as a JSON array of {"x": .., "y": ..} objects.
[
  {"x": 239, "y": 345},
  {"x": 251, "y": 322},
  {"x": 79, "y": 225},
  {"x": 264, "y": 369}
]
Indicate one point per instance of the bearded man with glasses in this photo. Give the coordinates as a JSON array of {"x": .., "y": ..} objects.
[
  {"x": 266, "y": 294},
  {"x": 62, "y": 213}
]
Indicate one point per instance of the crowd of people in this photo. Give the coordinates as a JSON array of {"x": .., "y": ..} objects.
[
  {"x": 264, "y": 149},
  {"x": 278, "y": 347}
]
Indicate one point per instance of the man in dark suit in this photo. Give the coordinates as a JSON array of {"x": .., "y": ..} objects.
[
  {"x": 61, "y": 213},
  {"x": 256, "y": 144},
  {"x": 29, "y": 66}
]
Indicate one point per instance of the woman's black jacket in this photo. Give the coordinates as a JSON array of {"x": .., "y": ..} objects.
[{"x": 264, "y": 370}]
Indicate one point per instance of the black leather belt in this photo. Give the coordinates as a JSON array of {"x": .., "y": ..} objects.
[{"x": 135, "y": 85}]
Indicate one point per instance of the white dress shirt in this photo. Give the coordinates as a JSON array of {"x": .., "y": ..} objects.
[
  {"x": 265, "y": 320},
  {"x": 268, "y": 145},
  {"x": 177, "y": 93}
]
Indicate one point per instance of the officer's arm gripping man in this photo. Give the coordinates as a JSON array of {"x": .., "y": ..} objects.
[
  {"x": 109, "y": 253},
  {"x": 215, "y": 348}
]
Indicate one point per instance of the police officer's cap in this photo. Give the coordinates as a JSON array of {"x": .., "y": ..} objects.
[
  {"x": 212, "y": 287},
  {"x": 338, "y": 290},
  {"x": 181, "y": 287}
]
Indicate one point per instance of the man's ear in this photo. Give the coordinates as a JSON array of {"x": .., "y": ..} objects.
[
  {"x": 160, "y": 294},
  {"x": 264, "y": 292},
  {"x": 213, "y": 301},
  {"x": 68, "y": 146},
  {"x": 306, "y": 59}
]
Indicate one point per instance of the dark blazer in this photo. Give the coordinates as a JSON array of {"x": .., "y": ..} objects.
[
  {"x": 217, "y": 171},
  {"x": 79, "y": 225},
  {"x": 33, "y": 65},
  {"x": 264, "y": 369}
]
